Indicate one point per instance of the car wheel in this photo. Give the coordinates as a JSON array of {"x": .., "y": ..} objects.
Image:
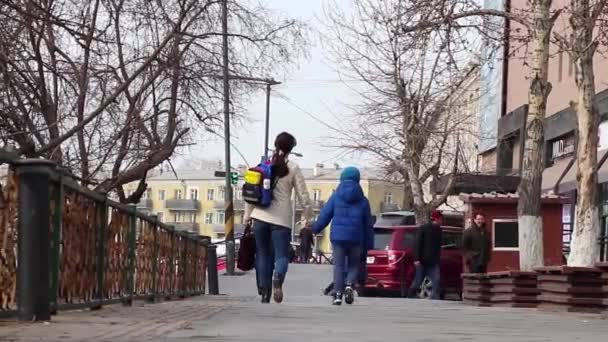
[{"x": 426, "y": 289}]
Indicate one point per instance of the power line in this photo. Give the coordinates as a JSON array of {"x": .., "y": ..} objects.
[{"x": 313, "y": 116}]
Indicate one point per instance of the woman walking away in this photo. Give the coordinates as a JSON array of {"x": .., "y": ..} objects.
[
  {"x": 351, "y": 228},
  {"x": 272, "y": 224}
]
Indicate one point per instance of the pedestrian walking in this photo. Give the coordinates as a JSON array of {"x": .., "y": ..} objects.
[
  {"x": 349, "y": 211},
  {"x": 476, "y": 245},
  {"x": 272, "y": 224},
  {"x": 427, "y": 255},
  {"x": 306, "y": 244}
]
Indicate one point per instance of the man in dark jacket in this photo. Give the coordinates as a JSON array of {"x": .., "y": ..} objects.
[
  {"x": 427, "y": 255},
  {"x": 306, "y": 243},
  {"x": 476, "y": 245}
]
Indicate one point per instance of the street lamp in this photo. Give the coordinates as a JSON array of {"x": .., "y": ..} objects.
[{"x": 269, "y": 84}]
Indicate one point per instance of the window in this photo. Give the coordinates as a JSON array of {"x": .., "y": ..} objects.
[
  {"x": 450, "y": 239},
  {"x": 239, "y": 193},
  {"x": 382, "y": 239},
  {"x": 161, "y": 195},
  {"x": 472, "y": 105},
  {"x": 208, "y": 218},
  {"x": 191, "y": 217},
  {"x": 147, "y": 194},
  {"x": 409, "y": 240},
  {"x": 316, "y": 195},
  {"x": 210, "y": 194},
  {"x": 177, "y": 194},
  {"x": 160, "y": 217},
  {"x": 388, "y": 197},
  {"x": 222, "y": 193},
  {"x": 193, "y": 193},
  {"x": 505, "y": 235},
  {"x": 390, "y": 220},
  {"x": 178, "y": 217},
  {"x": 219, "y": 217}
]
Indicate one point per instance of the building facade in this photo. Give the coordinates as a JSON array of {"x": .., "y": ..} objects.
[
  {"x": 462, "y": 144},
  {"x": 505, "y": 154},
  {"x": 193, "y": 200}
]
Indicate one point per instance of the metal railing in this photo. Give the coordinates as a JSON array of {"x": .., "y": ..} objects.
[{"x": 94, "y": 252}]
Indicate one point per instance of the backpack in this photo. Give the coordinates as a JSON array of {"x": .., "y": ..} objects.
[{"x": 259, "y": 184}]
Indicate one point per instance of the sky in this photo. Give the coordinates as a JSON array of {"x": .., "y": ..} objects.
[{"x": 311, "y": 90}]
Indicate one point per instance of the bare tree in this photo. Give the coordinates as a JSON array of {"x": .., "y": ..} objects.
[
  {"x": 581, "y": 40},
  {"x": 418, "y": 18},
  {"x": 406, "y": 117},
  {"x": 109, "y": 89}
]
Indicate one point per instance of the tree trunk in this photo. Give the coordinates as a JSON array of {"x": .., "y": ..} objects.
[
  {"x": 422, "y": 214},
  {"x": 530, "y": 220},
  {"x": 585, "y": 249},
  {"x": 408, "y": 198},
  {"x": 421, "y": 209}
]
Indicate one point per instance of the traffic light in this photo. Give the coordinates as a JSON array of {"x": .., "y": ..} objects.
[{"x": 234, "y": 178}]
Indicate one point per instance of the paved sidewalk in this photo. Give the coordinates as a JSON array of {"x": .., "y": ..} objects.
[
  {"x": 141, "y": 322},
  {"x": 307, "y": 316}
]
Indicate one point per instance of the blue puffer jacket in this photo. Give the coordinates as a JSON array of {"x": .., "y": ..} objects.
[{"x": 350, "y": 216}]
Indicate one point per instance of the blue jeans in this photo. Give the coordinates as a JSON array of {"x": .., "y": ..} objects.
[
  {"x": 347, "y": 258},
  {"x": 433, "y": 273},
  {"x": 272, "y": 251}
]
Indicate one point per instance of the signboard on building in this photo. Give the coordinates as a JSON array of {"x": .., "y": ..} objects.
[{"x": 563, "y": 147}]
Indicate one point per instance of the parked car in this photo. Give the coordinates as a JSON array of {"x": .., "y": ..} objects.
[
  {"x": 395, "y": 218},
  {"x": 408, "y": 218},
  {"x": 390, "y": 265}
]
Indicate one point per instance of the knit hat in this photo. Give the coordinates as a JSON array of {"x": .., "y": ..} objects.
[
  {"x": 350, "y": 173},
  {"x": 436, "y": 214}
]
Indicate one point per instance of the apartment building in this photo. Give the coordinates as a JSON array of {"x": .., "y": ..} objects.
[
  {"x": 190, "y": 200},
  {"x": 193, "y": 200},
  {"x": 462, "y": 116}
]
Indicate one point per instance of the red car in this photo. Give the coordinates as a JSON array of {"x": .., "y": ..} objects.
[{"x": 390, "y": 266}]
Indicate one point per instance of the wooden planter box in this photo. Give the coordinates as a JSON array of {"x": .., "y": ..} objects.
[
  {"x": 514, "y": 289},
  {"x": 603, "y": 266},
  {"x": 571, "y": 289},
  {"x": 507, "y": 289},
  {"x": 475, "y": 289}
]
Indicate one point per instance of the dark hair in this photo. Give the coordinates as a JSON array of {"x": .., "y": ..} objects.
[
  {"x": 283, "y": 145},
  {"x": 478, "y": 213}
]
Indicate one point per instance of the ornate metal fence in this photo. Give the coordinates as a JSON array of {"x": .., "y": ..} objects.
[{"x": 100, "y": 251}]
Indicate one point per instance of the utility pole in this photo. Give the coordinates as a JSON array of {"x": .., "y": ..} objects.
[
  {"x": 228, "y": 204},
  {"x": 269, "y": 84}
]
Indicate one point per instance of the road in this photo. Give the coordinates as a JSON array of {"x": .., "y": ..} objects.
[{"x": 306, "y": 315}]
